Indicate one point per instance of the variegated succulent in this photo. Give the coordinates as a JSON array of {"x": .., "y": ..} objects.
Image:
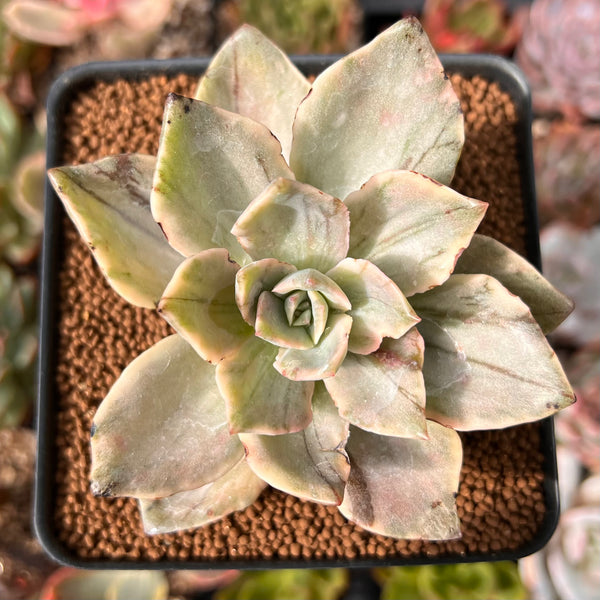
[{"x": 328, "y": 348}]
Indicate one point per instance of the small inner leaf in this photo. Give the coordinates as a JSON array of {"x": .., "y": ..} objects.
[
  {"x": 272, "y": 324},
  {"x": 313, "y": 280},
  {"x": 293, "y": 303},
  {"x": 303, "y": 318},
  {"x": 320, "y": 312},
  {"x": 322, "y": 360}
]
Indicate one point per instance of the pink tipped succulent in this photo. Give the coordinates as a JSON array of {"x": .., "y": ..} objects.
[
  {"x": 470, "y": 26},
  {"x": 560, "y": 54},
  {"x": 328, "y": 348},
  {"x": 66, "y": 22}
]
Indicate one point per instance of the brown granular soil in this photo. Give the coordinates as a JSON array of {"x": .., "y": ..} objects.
[{"x": 500, "y": 501}]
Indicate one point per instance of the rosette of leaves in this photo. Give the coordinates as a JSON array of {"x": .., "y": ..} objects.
[{"x": 328, "y": 348}]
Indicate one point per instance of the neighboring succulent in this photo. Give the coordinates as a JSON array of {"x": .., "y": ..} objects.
[
  {"x": 578, "y": 428},
  {"x": 560, "y": 54},
  {"x": 473, "y": 581},
  {"x": 297, "y": 361},
  {"x": 22, "y": 167},
  {"x": 77, "y": 584},
  {"x": 297, "y": 26},
  {"x": 18, "y": 346},
  {"x": 567, "y": 171},
  {"x": 291, "y": 584},
  {"x": 65, "y": 22},
  {"x": 568, "y": 567},
  {"x": 470, "y": 26},
  {"x": 576, "y": 272}
]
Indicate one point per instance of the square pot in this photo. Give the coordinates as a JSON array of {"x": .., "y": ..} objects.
[{"x": 508, "y": 496}]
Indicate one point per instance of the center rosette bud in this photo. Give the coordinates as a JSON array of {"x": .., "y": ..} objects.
[{"x": 294, "y": 310}]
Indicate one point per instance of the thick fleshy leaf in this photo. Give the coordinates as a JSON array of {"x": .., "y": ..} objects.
[
  {"x": 322, "y": 360},
  {"x": 235, "y": 490},
  {"x": 293, "y": 303},
  {"x": 404, "y": 488},
  {"x": 272, "y": 325},
  {"x": 162, "y": 428},
  {"x": 251, "y": 76},
  {"x": 109, "y": 202},
  {"x": 295, "y": 223},
  {"x": 386, "y": 106},
  {"x": 379, "y": 308},
  {"x": 411, "y": 227},
  {"x": 254, "y": 279},
  {"x": 210, "y": 162},
  {"x": 310, "y": 464},
  {"x": 487, "y": 362},
  {"x": 485, "y": 255},
  {"x": 384, "y": 392},
  {"x": 319, "y": 313},
  {"x": 258, "y": 398},
  {"x": 312, "y": 280},
  {"x": 223, "y": 238},
  {"x": 199, "y": 303}
]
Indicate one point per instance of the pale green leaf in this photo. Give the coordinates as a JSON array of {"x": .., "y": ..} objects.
[
  {"x": 295, "y": 223},
  {"x": 310, "y": 464},
  {"x": 162, "y": 428},
  {"x": 251, "y": 76},
  {"x": 379, "y": 308},
  {"x": 485, "y": 255},
  {"x": 272, "y": 324},
  {"x": 411, "y": 227},
  {"x": 487, "y": 362},
  {"x": 199, "y": 303},
  {"x": 387, "y": 105},
  {"x": 404, "y": 488},
  {"x": 323, "y": 359},
  {"x": 254, "y": 279},
  {"x": 209, "y": 161},
  {"x": 257, "y": 397},
  {"x": 109, "y": 202},
  {"x": 384, "y": 392},
  {"x": 235, "y": 490}
]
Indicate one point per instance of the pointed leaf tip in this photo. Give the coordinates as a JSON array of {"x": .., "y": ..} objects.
[
  {"x": 251, "y": 76},
  {"x": 387, "y": 105},
  {"x": 109, "y": 203}
]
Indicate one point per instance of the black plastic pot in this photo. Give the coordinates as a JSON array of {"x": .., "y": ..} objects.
[{"x": 491, "y": 68}]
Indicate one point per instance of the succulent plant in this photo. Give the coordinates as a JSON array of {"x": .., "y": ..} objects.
[
  {"x": 18, "y": 346},
  {"x": 470, "y": 26},
  {"x": 69, "y": 584},
  {"x": 575, "y": 272},
  {"x": 128, "y": 27},
  {"x": 560, "y": 53},
  {"x": 327, "y": 348},
  {"x": 473, "y": 581},
  {"x": 568, "y": 567},
  {"x": 292, "y": 584},
  {"x": 567, "y": 171},
  {"x": 297, "y": 26}
]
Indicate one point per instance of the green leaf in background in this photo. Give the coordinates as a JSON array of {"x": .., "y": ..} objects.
[
  {"x": 288, "y": 584},
  {"x": 467, "y": 581}
]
